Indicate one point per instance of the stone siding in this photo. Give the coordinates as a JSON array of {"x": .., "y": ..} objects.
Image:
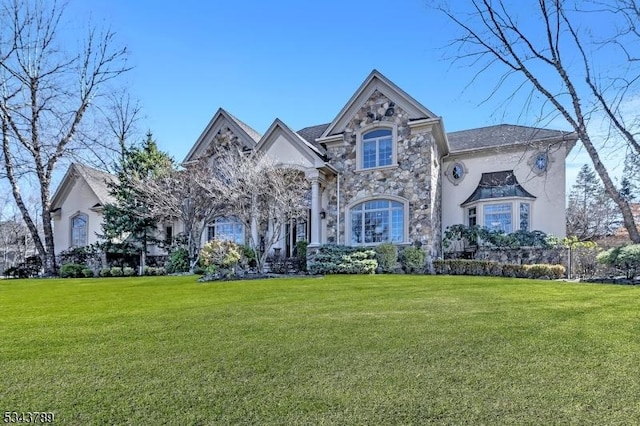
[{"x": 414, "y": 179}]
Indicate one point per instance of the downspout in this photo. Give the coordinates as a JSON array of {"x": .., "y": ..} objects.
[{"x": 338, "y": 209}]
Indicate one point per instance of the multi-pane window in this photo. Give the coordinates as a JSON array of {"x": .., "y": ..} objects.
[
  {"x": 377, "y": 148},
  {"x": 377, "y": 221},
  {"x": 498, "y": 217},
  {"x": 79, "y": 230},
  {"x": 228, "y": 229},
  {"x": 472, "y": 216}
]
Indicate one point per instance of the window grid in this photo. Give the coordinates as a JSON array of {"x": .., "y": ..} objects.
[
  {"x": 226, "y": 229},
  {"x": 472, "y": 216},
  {"x": 377, "y": 148},
  {"x": 377, "y": 221},
  {"x": 79, "y": 231},
  {"x": 498, "y": 217}
]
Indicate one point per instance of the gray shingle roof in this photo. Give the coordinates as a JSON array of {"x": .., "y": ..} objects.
[
  {"x": 244, "y": 126},
  {"x": 311, "y": 133},
  {"x": 98, "y": 181},
  {"x": 501, "y": 135}
]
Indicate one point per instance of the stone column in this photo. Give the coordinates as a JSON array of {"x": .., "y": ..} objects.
[{"x": 315, "y": 212}]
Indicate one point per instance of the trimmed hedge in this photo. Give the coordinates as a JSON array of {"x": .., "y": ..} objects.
[
  {"x": 489, "y": 268},
  {"x": 334, "y": 259},
  {"x": 72, "y": 270}
]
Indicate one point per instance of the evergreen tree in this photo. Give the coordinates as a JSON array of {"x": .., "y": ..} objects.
[
  {"x": 129, "y": 225},
  {"x": 591, "y": 213},
  {"x": 630, "y": 184}
]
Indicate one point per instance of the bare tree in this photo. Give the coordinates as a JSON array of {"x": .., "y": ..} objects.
[
  {"x": 15, "y": 241},
  {"x": 554, "y": 53},
  {"x": 46, "y": 91},
  {"x": 259, "y": 192},
  {"x": 187, "y": 195}
]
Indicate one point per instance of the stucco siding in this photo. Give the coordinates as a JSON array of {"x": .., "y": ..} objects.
[
  {"x": 80, "y": 200},
  {"x": 547, "y": 210}
]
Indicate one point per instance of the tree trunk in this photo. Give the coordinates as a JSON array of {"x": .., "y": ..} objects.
[{"x": 612, "y": 191}]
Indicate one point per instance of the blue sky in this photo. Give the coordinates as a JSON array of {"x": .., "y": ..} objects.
[{"x": 299, "y": 61}]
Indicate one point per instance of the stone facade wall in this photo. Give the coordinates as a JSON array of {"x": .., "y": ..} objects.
[
  {"x": 414, "y": 179},
  {"x": 223, "y": 142}
]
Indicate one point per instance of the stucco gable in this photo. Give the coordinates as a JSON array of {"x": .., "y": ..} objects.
[
  {"x": 221, "y": 121},
  {"x": 377, "y": 82},
  {"x": 97, "y": 181},
  {"x": 282, "y": 143}
]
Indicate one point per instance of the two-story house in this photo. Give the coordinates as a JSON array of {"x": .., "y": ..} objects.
[{"x": 385, "y": 170}]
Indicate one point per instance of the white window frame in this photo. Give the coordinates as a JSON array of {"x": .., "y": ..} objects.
[
  {"x": 226, "y": 221},
  {"x": 391, "y": 198},
  {"x": 73, "y": 238},
  {"x": 360, "y": 145},
  {"x": 509, "y": 205},
  {"x": 515, "y": 211}
]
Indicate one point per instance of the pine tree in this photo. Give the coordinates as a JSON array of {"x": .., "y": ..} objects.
[
  {"x": 591, "y": 213},
  {"x": 129, "y": 226},
  {"x": 630, "y": 184}
]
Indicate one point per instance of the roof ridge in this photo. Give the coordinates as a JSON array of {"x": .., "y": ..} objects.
[{"x": 253, "y": 134}]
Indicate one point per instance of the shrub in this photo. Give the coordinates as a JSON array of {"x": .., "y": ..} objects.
[
  {"x": 284, "y": 265},
  {"x": 513, "y": 271},
  {"x": 116, "y": 271},
  {"x": 387, "y": 256},
  {"x": 178, "y": 261},
  {"x": 105, "y": 272},
  {"x": 128, "y": 272},
  {"x": 412, "y": 260},
  {"x": 29, "y": 268},
  {"x": 488, "y": 268},
  {"x": 221, "y": 253},
  {"x": 301, "y": 253},
  {"x": 80, "y": 255},
  {"x": 71, "y": 270},
  {"x": 154, "y": 270},
  {"x": 625, "y": 259},
  {"x": 441, "y": 267},
  {"x": 334, "y": 259},
  {"x": 476, "y": 235},
  {"x": 87, "y": 273}
]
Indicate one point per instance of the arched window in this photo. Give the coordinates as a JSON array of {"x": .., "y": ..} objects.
[
  {"x": 377, "y": 148},
  {"x": 79, "y": 230},
  {"x": 226, "y": 228},
  {"x": 377, "y": 221}
]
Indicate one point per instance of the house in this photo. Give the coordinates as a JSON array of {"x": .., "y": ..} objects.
[
  {"x": 384, "y": 169},
  {"x": 77, "y": 205}
]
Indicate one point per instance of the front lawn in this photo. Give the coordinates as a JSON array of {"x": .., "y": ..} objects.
[{"x": 340, "y": 349}]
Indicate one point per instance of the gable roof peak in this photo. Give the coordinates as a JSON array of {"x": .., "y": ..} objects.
[
  {"x": 242, "y": 130},
  {"x": 377, "y": 81},
  {"x": 313, "y": 147}
]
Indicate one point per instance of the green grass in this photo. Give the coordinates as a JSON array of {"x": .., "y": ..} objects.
[{"x": 335, "y": 350}]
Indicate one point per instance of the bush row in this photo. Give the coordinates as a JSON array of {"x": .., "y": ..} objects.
[
  {"x": 625, "y": 259},
  {"x": 334, "y": 259},
  {"x": 495, "y": 269},
  {"x": 75, "y": 270}
]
